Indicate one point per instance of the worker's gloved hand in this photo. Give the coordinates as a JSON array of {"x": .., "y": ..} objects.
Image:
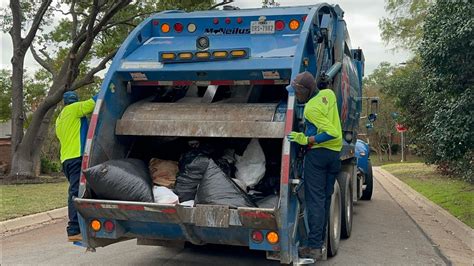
[{"x": 298, "y": 137}]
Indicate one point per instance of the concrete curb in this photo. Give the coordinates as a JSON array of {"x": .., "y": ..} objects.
[
  {"x": 34, "y": 219},
  {"x": 453, "y": 238}
]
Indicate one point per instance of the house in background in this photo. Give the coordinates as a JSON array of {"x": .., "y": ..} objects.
[{"x": 5, "y": 146}]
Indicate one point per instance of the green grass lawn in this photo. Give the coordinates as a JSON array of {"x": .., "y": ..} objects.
[
  {"x": 21, "y": 200},
  {"x": 454, "y": 195},
  {"x": 395, "y": 159}
]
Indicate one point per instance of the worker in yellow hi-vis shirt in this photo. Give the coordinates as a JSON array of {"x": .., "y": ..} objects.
[
  {"x": 323, "y": 137},
  {"x": 71, "y": 130}
]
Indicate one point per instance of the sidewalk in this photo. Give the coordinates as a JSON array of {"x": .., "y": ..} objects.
[
  {"x": 453, "y": 238},
  {"x": 31, "y": 220}
]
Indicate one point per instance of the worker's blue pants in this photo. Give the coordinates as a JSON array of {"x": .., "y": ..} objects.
[
  {"x": 72, "y": 170},
  {"x": 321, "y": 167}
]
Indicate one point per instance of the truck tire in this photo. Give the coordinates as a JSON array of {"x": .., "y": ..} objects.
[
  {"x": 334, "y": 222},
  {"x": 344, "y": 179},
  {"x": 369, "y": 183}
]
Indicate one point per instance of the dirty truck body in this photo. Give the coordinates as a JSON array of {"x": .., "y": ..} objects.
[{"x": 228, "y": 73}]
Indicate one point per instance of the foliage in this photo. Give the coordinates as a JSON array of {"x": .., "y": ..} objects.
[
  {"x": 383, "y": 132},
  {"x": 435, "y": 93},
  {"x": 48, "y": 166},
  {"x": 5, "y": 95},
  {"x": 452, "y": 194},
  {"x": 404, "y": 26}
]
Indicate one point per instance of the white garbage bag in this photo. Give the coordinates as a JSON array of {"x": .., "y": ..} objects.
[
  {"x": 164, "y": 195},
  {"x": 251, "y": 165}
]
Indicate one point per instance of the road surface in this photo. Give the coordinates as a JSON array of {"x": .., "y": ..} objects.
[{"x": 382, "y": 234}]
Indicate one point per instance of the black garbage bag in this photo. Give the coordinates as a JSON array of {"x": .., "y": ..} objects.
[
  {"x": 269, "y": 202},
  {"x": 192, "y": 166},
  {"x": 217, "y": 188},
  {"x": 124, "y": 179}
]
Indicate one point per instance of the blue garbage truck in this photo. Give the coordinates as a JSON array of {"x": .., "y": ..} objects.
[{"x": 222, "y": 75}]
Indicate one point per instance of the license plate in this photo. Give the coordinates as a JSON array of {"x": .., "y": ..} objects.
[{"x": 265, "y": 27}]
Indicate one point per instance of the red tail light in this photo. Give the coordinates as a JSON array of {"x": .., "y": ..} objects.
[
  {"x": 279, "y": 25},
  {"x": 109, "y": 226},
  {"x": 257, "y": 236},
  {"x": 178, "y": 27}
]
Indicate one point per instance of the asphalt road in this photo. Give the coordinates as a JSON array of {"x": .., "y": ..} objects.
[{"x": 382, "y": 234}]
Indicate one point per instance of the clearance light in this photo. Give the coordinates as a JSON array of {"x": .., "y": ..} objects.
[
  {"x": 303, "y": 18},
  {"x": 185, "y": 56},
  {"x": 109, "y": 226},
  {"x": 178, "y": 27},
  {"x": 272, "y": 237},
  {"x": 168, "y": 56},
  {"x": 95, "y": 225},
  {"x": 220, "y": 54},
  {"x": 238, "y": 53},
  {"x": 202, "y": 55},
  {"x": 227, "y": 21},
  {"x": 257, "y": 236},
  {"x": 156, "y": 22},
  {"x": 239, "y": 20},
  {"x": 165, "y": 28},
  {"x": 279, "y": 25},
  {"x": 216, "y": 21},
  {"x": 294, "y": 24},
  {"x": 191, "y": 27}
]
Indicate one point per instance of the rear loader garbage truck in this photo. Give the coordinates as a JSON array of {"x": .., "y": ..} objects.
[{"x": 221, "y": 78}]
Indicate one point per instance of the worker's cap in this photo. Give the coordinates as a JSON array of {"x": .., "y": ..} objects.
[
  {"x": 304, "y": 85},
  {"x": 70, "y": 97}
]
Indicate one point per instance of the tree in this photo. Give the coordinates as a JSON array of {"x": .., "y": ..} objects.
[
  {"x": 89, "y": 31},
  {"x": 404, "y": 26},
  {"x": 381, "y": 135},
  {"x": 446, "y": 53},
  {"x": 5, "y": 95}
]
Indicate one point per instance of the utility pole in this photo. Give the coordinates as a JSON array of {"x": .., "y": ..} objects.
[{"x": 403, "y": 147}]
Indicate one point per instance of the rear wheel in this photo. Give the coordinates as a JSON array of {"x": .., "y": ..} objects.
[
  {"x": 334, "y": 223},
  {"x": 369, "y": 183},
  {"x": 347, "y": 205}
]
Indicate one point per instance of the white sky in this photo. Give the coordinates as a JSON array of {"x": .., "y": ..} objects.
[{"x": 362, "y": 18}]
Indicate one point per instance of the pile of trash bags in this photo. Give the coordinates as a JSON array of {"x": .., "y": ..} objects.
[{"x": 202, "y": 176}]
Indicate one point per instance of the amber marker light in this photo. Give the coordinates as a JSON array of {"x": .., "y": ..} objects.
[
  {"x": 272, "y": 237},
  {"x": 220, "y": 54},
  {"x": 168, "y": 56},
  {"x": 185, "y": 56},
  {"x": 165, "y": 28},
  {"x": 238, "y": 53},
  {"x": 95, "y": 225},
  {"x": 202, "y": 55},
  {"x": 294, "y": 24}
]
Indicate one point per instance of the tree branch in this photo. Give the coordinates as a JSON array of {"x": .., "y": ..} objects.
[
  {"x": 46, "y": 64},
  {"x": 36, "y": 23},
  {"x": 89, "y": 77},
  {"x": 74, "y": 20}
]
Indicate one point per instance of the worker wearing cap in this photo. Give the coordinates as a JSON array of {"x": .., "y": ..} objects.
[
  {"x": 71, "y": 130},
  {"x": 323, "y": 137}
]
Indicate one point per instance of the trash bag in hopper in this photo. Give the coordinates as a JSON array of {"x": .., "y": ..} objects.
[
  {"x": 164, "y": 195},
  {"x": 251, "y": 165},
  {"x": 269, "y": 202},
  {"x": 163, "y": 172},
  {"x": 218, "y": 189},
  {"x": 192, "y": 166},
  {"x": 125, "y": 179}
]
